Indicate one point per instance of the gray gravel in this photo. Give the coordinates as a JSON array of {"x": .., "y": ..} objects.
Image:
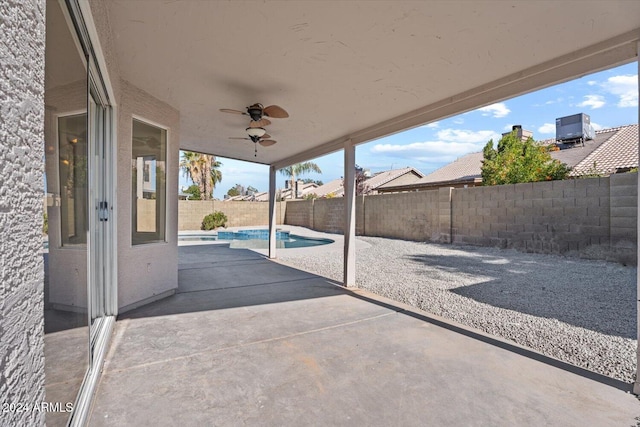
[{"x": 578, "y": 311}]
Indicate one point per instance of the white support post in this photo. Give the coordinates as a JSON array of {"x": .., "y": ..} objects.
[
  {"x": 636, "y": 385},
  {"x": 349, "y": 214},
  {"x": 272, "y": 212}
]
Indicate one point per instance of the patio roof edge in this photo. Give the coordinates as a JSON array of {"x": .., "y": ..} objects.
[{"x": 606, "y": 54}]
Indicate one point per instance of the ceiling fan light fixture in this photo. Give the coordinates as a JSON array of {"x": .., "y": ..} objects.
[{"x": 256, "y": 132}]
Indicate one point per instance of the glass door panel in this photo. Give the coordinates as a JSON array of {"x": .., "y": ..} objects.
[{"x": 66, "y": 234}]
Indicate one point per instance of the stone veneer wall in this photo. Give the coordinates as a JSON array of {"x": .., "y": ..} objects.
[
  {"x": 594, "y": 217},
  {"x": 22, "y": 52},
  {"x": 191, "y": 213}
]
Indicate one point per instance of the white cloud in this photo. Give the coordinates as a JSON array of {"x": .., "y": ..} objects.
[
  {"x": 451, "y": 144},
  {"x": 625, "y": 88},
  {"x": 592, "y": 82},
  {"x": 554, "y": 101},
  {"x": 467, "y": 136},
  {"x": 593, "y": 101},
  {"x": 433, "y": 125},
  {"x": 432, "y": 151},
  {"x": 596, "y": 126},
  {"x": 547, "y": 128},
  {"x": 459, "y": 121},
  {"x": 495, "y": 110}
]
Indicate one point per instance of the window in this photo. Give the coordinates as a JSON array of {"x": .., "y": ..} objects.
[
  {"x": 73, "y": 167},
  {"x": 149, "y": 186}
]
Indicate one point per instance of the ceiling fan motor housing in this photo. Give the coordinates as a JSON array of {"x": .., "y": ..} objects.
[{"x": 255, "y": 111}]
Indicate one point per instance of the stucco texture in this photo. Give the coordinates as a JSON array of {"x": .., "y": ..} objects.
[{"x": 22, "y": 49}]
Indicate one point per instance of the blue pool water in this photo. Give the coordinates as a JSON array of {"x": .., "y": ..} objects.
[
  {"x": 257, "y": 239},
  {"x": 251, "y": 234}
]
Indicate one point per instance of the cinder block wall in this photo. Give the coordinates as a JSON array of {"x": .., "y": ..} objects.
[
  {"x": 300, "y": 213},
  {"x": 546, "y": 217},
  {"x": 22, "y": 48},
  {"x": 623, "y": 208},
  {"x": 328, "y": 215},
  {"x": 240, "y": 214},
  {"x": 595, "y": 217},
  {"x": 410, "y": 216}
]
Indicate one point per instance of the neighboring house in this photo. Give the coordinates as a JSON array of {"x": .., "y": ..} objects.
[
  {"x": 302, "y": 188},
  {"x": 373, "y": 185},
  {"x": 612, "y": 151},
  {"x": 285, "y": 193},
  {"x": 330, "y": 189}
]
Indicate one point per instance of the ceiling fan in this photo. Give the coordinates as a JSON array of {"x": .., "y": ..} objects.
[
  {"x": 257, "y": 111},
  {"x": 258, "y": 136}
]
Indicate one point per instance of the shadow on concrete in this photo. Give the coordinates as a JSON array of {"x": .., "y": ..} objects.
[
  {"x": 214, "y": 277},
  {"x": 594, "y": 376},
  {"x": 609, "y": 308}
]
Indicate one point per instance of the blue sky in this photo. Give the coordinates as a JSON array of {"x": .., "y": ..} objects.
[{"x": 610, "y": 97}]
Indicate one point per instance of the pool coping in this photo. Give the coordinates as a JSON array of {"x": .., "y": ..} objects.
[{"x": 337, "y": 245}]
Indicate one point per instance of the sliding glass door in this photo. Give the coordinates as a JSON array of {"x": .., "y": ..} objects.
[{"x": 80, "y": 285}]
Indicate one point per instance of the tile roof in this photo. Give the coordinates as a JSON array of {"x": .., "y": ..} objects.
[
  {"x": 612, "y": 149},
  {"x": 381, "y": 178},
  {"x": 332, "y": 187},
  {"x": 376, "y": 181},
  {"x": 619, "y": 151},
  {"x": 462, "y": 169}
]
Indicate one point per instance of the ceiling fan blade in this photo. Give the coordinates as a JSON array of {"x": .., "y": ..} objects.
[
  {"x": 265, "y": 136},
  {"x": 228, "y": 110},
  {"x": 236, "y": 137},
  {"x": 266, "y": 142},
  {"x": 275, "y": 112},
  {"x": 260, "y": 123}
]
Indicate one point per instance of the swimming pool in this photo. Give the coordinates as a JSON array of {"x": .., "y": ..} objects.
[{"x": 256, "y": 239}]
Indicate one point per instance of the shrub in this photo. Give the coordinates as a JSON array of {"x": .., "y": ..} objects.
[{"x": 214, "y": 220}]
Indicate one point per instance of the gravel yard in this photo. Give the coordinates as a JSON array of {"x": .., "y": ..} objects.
[{"x": 579, "y": 311}]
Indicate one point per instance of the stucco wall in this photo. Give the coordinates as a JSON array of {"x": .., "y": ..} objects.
[
  {"x": 22, "y": 48},
  {"x": 239, "y": 214},
  {"x": 148, "y": 270}
]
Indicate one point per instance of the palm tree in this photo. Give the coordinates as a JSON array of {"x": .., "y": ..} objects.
[
  {"x": 203, "y": 170},
  {"x": 296, "y": 170},
  {"x": 216, "y": 173}
]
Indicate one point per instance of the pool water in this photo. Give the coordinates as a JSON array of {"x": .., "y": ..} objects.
[
  {"x": 251, "y": 235},
  {"x": 257, "y": 239}
]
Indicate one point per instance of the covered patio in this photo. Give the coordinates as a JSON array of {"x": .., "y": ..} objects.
[
  {"x": 120, "y": 86},
  {"x": 248, "y": 341}
]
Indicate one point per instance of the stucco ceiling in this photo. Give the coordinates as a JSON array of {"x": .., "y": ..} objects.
[{"x": 358, "y": 69}]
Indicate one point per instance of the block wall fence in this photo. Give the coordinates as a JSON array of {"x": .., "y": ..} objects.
[
  {"x": 191, "y": 213},
  {"x": 594, "y": 218}
]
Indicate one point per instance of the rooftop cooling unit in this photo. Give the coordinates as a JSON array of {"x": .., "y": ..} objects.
[{"x": 575, "y": 128}]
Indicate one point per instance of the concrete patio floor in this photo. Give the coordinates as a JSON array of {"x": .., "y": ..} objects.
[{"x": 248, "y": 341}]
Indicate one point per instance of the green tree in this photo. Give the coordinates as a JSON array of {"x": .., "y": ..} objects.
[
  {"x": 194, "y": 192},
  {"x": 203, "y": 170},
  {"x": 517, "y": 161},
  {"x": 296, "y": 170},
  {"x": 233, "y": 191},
  {"x": 318, "y": 182}
]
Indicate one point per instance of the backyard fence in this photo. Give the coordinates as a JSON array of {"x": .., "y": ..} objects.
[
  {"x": 595, "y": 217},
  {"x": 191, "y": 213}
]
